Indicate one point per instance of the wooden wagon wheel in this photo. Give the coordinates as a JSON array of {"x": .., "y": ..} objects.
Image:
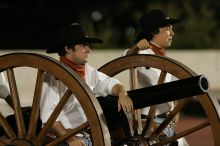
[
  {"x": 167, "y": 65},
  {"x": 43, "y": 64}
]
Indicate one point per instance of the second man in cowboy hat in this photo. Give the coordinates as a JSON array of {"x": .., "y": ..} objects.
[{"x": 156, "y": 35}]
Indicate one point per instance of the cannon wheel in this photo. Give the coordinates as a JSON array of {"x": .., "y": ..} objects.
[
  {"x": 44, "y": 64},
  {"x": 167, "y": 65}
]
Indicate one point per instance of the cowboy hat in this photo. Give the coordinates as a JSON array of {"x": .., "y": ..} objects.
[
  {"x": 71, "y": 35},
  {"x": 152, "y": 20}
]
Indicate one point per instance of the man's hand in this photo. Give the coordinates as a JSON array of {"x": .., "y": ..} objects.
[
  {"x": 142, "y": 44},
  {"x": 60, "y": 130},
  {"x": 124, "y": 102},
  {"x": 76, "y": 142}
]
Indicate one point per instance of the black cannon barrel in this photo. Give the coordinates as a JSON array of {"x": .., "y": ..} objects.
[{"x": 170, "y": 91}]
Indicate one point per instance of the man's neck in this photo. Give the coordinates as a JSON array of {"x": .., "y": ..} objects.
[
  {"x": 157, "y": 49},
  {"x": 80, "y": 69},
  {"x": 155, "y": 44}
]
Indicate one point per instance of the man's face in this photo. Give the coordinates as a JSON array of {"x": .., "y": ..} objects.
[
  {"x": 79, "y": 54},
  {"x": 164, "y": 37}
]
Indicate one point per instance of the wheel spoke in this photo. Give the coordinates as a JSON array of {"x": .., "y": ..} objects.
[
  {"x": 35, "y": 106},
  {"x": 16, "y": 104},
  {"x": 162, "y": 77},
  {"x": 137, "y": 126},
  {"x": 69, "y": 134},
  {"x": 7, "y": 128},
  {"x": 133, "y": 76},
  {"x": 150, "y": 117},
  {"x": 168, "y": 119},
  {"x": 53, "y": 117}
]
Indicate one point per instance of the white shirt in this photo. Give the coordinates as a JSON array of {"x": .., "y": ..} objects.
[
  {"x": 4, "y": 88},
  {"x": 72, "y": 114},
  {"x": 149, "y": 77}
]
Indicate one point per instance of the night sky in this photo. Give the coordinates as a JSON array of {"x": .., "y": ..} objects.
[{"x": 34, "y": 23}]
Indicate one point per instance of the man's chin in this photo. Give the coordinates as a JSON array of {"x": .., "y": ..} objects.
[
  {"x": 169, "y": 44},
  {"x": 85, "y": 61}
]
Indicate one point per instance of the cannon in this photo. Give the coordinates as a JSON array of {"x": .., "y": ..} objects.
[{"x": 96, "y": 122}]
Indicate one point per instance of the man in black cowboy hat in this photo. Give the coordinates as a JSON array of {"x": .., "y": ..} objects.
[
  {"x": 156, "y": 35},
  {"x": 73, "y": 49}
]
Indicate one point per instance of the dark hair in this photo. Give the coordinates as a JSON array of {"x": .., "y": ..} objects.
[
  {"x": 152, "y": 33},
  {"x": 62, "y": 51},
  {"x": 148, "y": 36}
]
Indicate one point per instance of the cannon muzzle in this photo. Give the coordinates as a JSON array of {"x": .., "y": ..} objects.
[{"x": 170, "y": 91}]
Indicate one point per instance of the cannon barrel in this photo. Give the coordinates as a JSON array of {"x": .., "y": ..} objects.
[{"x": 170, "y": 91}]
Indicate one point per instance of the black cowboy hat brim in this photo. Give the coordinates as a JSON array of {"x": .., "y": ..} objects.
[
  {"x": 151, "y": 28},
  {"x": 165, "y": 22},
  {"x": 59, "y": 46}
]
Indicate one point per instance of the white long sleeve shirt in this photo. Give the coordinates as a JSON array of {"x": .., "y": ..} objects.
[
  {"x": 150, "y": 77},
  {"x": 72, "y": 114}
]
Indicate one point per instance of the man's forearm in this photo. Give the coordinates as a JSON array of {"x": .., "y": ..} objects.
[{"x": 60, "y": 130}]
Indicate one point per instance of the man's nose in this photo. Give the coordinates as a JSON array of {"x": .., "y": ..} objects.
[
  {"x": 172, "y": 32},
  {"x": 88, "y": 49}
]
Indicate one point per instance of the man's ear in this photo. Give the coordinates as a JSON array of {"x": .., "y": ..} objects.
[{"x": 67, "y": 49}]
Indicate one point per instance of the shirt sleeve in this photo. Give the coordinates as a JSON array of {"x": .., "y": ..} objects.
[
  {"x": 104, "y": 85},
  {"x": 100, "y": 83},
  {"x": 125, "y": 52}
]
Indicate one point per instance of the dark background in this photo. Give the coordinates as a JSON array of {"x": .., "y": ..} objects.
[{"x": 33, "y": 24}]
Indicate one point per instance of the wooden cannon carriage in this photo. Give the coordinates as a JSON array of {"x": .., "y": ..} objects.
[{"x": 96, "y": 122}]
